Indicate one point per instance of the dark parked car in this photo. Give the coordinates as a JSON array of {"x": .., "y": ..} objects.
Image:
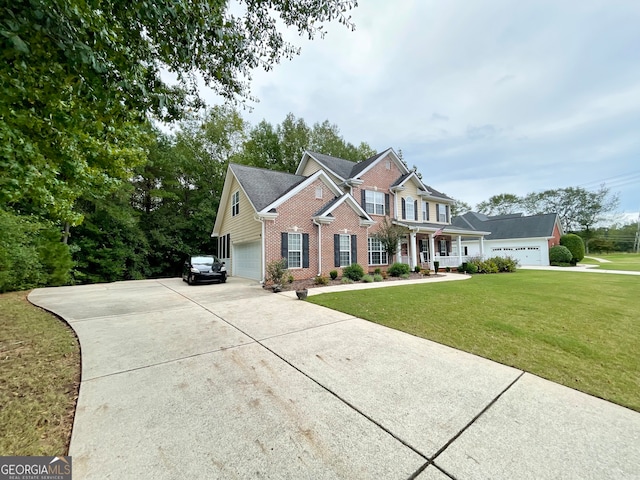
[{"x": 203, "y": 268}]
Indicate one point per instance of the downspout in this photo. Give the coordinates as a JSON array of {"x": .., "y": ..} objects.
[
  {"x": 263, "y": 252},
  {"x": 319, "y": 246}
]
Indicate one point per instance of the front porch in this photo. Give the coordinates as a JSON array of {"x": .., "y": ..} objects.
[{"x": 426, "y": 243}]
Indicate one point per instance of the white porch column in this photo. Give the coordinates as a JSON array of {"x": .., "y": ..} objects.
[
  {"x": 399, "y": 251},
  {"x": 412, "y": 250},
  {"x": 482, "y": 247},
  {"x": 459, "y": 249},
  {"x": 432, "y": 249}
]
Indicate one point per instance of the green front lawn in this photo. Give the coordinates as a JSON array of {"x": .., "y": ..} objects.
[
  {"x": 617, "y": 261},
  {"x": 578, "y": 329}
]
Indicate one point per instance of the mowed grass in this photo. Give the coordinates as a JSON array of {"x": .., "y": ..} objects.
[
  {"x": 578, "y": 329},
  {"x": 39, "y": 378},
  {"x": 617, "y": 261}
]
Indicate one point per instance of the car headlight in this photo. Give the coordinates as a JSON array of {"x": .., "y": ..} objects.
[
  {"x": 194, "y": 270},
  {"x": 223, "y": 268}
]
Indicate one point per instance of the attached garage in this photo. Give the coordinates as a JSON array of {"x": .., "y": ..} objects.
[
  {"x": 246, "y": 260},
  {"x": 525, "y": 255}
]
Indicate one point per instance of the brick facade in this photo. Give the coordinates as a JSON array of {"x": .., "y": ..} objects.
[{"x": 295, "y": 216}]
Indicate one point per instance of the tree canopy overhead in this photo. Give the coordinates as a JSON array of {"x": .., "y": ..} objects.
[{"x": 79, "y": 78}]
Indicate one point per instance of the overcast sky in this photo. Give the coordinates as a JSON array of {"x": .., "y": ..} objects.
[{"x": 484, "y": 97}]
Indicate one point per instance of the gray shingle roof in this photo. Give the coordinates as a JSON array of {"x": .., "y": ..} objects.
[
  {"x": 360, "y": 166},
  {"x": 326, "y": 207},
  {"x": 436, "y": 193},
  {"x": 340, "y": 166},
  {"x": 509, "y": 226},
  {"x": 264, "y": 186}
]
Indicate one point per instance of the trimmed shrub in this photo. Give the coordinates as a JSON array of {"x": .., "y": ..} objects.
[
  {"x": 320, "y": 280},
  {"x": 447, "y": 269},
  {"x": 277, "y": 271},
  {"x": 404, "y": 276},
  {"x": 417, "y": 269},
  {"x": 333, "y": 274},
  {"x": 377, "y": 277},
  {"x": 367, "y": 278},
  {"x": 398, "y": 269},
  {"x": 354, "y": 272},
  {"x": 377, "y": 271},
  {"x": 471, "y": 268},
  {"x": 575, "y": 244},
  {"x": 346, "y": 280},
  {"x": 506, "y": 264},
  {"x": 559, "y": 254},
  {"x": 436, "y": 266}
]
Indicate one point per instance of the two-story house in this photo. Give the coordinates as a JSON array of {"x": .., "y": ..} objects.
[{"x": 326, "y": 215}]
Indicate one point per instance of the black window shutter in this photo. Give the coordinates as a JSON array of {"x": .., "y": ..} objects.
[
  {"x": 305, "y": 250},
  {"x": 284, "y": 245},
  {"x": 363, "y": 196},
  {"x": 415, "y": 209},
  {"x": 448, "y": 213},
  {"x": 427, "y": 207},
  {"x": 386, "y": 204},
  {"x": 354, "y": 249},
  {"x": 404, "y": 209},
  {"x": 336, "y": 250}
]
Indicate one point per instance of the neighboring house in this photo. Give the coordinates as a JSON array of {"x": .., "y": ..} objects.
[
  {"x": 325, "y": 217},
  {"x": 524, "y": 238}
]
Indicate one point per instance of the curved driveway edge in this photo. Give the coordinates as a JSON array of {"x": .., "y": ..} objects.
[{"x": 230, "y": 381}]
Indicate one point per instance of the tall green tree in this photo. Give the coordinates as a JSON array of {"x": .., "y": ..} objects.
[
  {"x": 79, "y": 78},
  {"x": 295, "y": 138},
  {"x": 263, "y": 147},
  {"x": 577, "y": 208},
  {"x": 502, "y": 204}
]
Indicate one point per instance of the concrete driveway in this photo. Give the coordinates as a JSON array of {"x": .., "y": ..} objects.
[{"x": 231, "y": 381}]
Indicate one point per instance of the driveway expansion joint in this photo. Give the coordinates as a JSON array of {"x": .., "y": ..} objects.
[
  {"x": 324, "y": 387},
  {"x": 474, "y": 419}
]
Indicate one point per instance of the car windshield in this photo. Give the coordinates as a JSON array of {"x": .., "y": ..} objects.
[{"x": 203, "y": 260}]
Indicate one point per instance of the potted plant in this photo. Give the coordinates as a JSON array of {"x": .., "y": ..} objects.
[
  {"x": 302, "y": 294},
  {"x": 436, "y": 266}
]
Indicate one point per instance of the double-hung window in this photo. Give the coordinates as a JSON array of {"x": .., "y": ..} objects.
[
  {"x": 374, "y": 202},
  {"x": 442, "y": 213},
  {"x": 294, "y": 257},
  {"x": 345, "y": 250},
  {"x": 425, "y": 211},
  {"x": 235, "y": 204},
  {"x": 377, "y": 253}
]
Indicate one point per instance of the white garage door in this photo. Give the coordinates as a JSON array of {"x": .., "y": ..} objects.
[
  {"x": 531, "y": 255},
  {"x": 246, "y": 260}
]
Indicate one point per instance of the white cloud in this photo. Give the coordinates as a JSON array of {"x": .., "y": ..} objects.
[{"x": 484, "y": 97}]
